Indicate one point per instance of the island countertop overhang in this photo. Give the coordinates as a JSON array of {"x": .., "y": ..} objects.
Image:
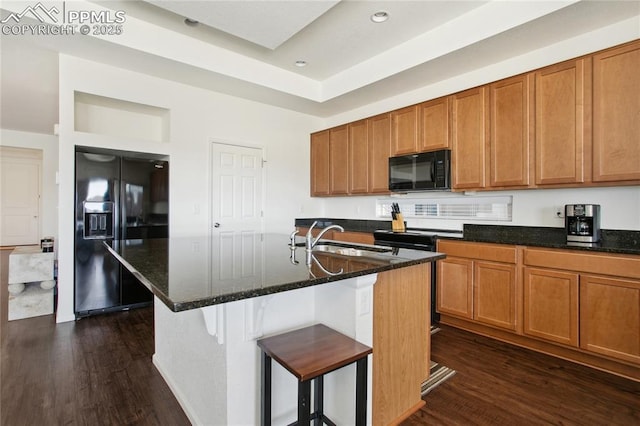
[{"x": 189, "y": 273}]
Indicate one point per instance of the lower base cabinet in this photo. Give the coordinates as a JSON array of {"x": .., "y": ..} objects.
[
  {"x": 578, "y": 305},
  {"x": 610, "y": 317},
  {"x": 551, "y": 305},
  {"x": 479, "y": 282}
]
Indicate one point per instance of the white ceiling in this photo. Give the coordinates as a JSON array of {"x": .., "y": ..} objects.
[{"x": 249, "y": 48}]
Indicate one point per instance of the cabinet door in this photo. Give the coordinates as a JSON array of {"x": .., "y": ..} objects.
[
  {"x": 404, "y": 130},
  {"x": 379, "y": 135},
  {"x": 616, "y": 114},
  {"x": 320, "y": 163},
  {"x": 511, "y": 127},
  {"x": 454, "y": 293},
  {"x": 339, "y": 160},
  {"x": 469, "y": 138},
  {"x": 562, "y": 113},
  {"x": 433, "y": 126},
  {"x": 551, "y": 305},
  {"x": 494, "y": 294},
  {"x": 358, "y": 158},
  {"x": 610, "y": 317}
]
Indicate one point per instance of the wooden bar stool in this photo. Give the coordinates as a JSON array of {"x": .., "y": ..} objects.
[{"x": 309, "y": 353}]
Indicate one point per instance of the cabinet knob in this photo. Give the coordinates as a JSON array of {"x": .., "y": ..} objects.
[{"x": 216, "y": 225}]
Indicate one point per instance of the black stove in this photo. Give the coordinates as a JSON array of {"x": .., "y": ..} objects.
[{"x": 418, "y": 239}]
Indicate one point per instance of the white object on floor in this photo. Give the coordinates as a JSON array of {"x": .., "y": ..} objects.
[
  {"x": 28, "y": 264},
  {"x": 32, "y": 302},
  {"x": 30, "y": 282}
]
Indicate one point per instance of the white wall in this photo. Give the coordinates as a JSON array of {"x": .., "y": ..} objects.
[
  {"x": 48, "y": 144},
  {"x": 620, "y": 206},
  {"x": 197, "y": 117}
]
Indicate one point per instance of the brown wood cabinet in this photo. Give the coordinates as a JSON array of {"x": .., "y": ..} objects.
[
  {"x": 454, "y": 287},
  {"x": 302, "y": 232},
  {"x": 358, "y": 158},
  {"x": 433, "y": 125},
  {"x": 346, "y": 236},
  {"x": 510, "y": 143},
  {"x": 571, "y": 124},
  {"x": 610, "y": 317},
  {"x": 563, "y": 114},
  {"x": 339, "y": 160},
  {"x": 404, "y": 130},
  {"x": 469, "y": 136},
  {"x": 598, "y": 292},
  {"x": 401, "y": 342},
  {"x": 379, "y": 139},
  {"x": 551, "y": 305},
  {"x": 354, "y": 237},
  {"x": 479, "y": 281},
  {"x": 320, "y": 165},
  {"x": 616, "y": 114},
  {"x": 578, "y": 305},
  {"x": 495, "y": 297}
]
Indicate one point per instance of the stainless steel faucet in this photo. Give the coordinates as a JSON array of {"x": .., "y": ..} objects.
[{"x": 311, "y": 243}]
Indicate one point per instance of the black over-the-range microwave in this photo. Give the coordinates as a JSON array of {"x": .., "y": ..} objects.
[{"x": 427, "y": 171}]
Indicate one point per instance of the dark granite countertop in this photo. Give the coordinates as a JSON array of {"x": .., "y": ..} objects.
[
  {"x": 189, "y": 273},
  {"x": 612, "y": 241}
]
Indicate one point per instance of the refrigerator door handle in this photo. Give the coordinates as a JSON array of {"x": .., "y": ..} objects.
[{"x": 122, "y": 210}]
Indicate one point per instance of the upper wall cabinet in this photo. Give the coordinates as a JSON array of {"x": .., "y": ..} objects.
[
  {"x": 511, "y": 124},
  {"x": 379, "y": 138},
  {"x": 358, "y": 158},
  {"x": 433, "y": 129},
  {"x": 572, "y": 124},
  {"x": 616, "y": 114},
  {"x": 339, "y": 160},
  {"x": 320, "y": 163},
  {"x": 404, "y": 130},
  {"x": 469, "y": 132},
  {"x": 352, "y": 158},
  {"x": 563, "y": 108}
]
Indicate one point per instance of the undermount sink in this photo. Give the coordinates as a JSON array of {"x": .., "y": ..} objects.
[{"x": 358, "y": 251}]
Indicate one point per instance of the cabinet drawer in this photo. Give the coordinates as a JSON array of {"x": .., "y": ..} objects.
[
  {"x": 353, "y": 237},
  {"x": 480, "y": 251},
  {"x": 597, "y": 263}
]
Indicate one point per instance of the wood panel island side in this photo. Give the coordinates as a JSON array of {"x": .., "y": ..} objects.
[{"x": 214, "y": 297}]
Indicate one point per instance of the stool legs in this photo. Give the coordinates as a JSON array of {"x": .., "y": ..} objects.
[
  {"x": 304, "y": 402},
  {"x": 361, "y": 392},
  {"x": 304, "y": 396},
  {"x": 265, "y": 401},
  {"x": 318, "y": 398}
]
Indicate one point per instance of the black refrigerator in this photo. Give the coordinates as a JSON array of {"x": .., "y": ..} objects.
[{"x": 119, "y": 195}]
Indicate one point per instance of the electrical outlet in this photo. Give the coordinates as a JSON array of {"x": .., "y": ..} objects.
[{"x": 559, "y": 212}]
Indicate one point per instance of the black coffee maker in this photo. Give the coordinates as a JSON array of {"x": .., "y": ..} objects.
[{"x": 582, "y": 222}]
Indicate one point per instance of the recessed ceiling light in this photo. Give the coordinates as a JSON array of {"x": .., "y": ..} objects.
[
  {"x": 191, "y": 22},
  {"x": 380, "y": 16},
  {"x": 301, "y": 64}
]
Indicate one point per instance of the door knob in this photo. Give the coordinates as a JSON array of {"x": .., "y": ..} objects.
[{"x": 216, "y": 225}]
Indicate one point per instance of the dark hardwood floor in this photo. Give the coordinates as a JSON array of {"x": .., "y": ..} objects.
[
  {"x": 501, "y": 384},
  {"x": 96, "y": 371},
  {"x": 99, "y": 371}
]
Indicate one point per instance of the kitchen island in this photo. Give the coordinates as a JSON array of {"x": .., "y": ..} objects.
[{"x": 215, "y": 296}]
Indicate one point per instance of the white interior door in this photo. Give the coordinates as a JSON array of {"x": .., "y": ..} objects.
[
  {"x": 237, "y": 187},
  {"x": 20, "y": 183}
]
